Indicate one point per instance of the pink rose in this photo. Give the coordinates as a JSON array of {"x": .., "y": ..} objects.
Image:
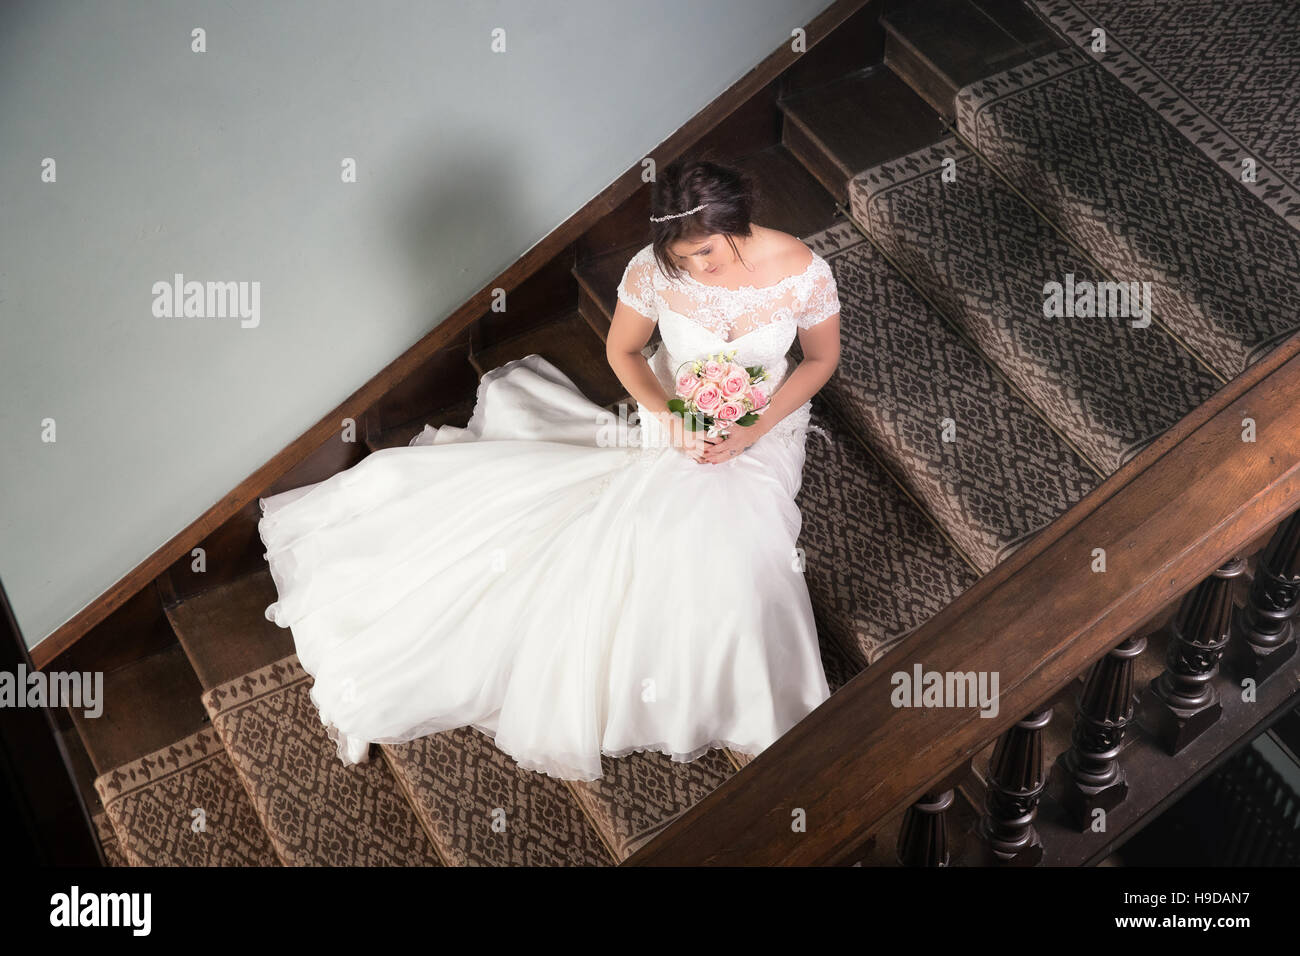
[
  {"x": 708, "y": 398},
  {"x": 734, "y": 382},
  {"x": 687, "y": 383},
  {"x": 729, "y": 411},
  {"x": 714, "y": 371},
  {"x": 759, "y": 396}
]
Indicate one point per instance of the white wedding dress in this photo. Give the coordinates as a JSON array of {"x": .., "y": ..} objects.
[{"x": 560, "y": 578}]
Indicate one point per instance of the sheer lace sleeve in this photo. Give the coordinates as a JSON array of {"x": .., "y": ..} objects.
[
  {"x": 636, "y": 289},
  {"x": 821, "y": 296}
]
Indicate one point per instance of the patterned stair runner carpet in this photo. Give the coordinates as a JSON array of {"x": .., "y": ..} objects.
[
  {"x": 317, "y": 811},
  {"x": 483, "y": 809},
  {"x": 1225, "y": 73},
  {"x": 993, "y": 266},
  {"x": 1146, "y": 204},
  {"x": 183, "y": 805},
  {"x": 954, "y": 432}
]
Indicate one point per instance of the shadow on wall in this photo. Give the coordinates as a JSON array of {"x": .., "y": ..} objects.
[{"x": 458, "y": 200}]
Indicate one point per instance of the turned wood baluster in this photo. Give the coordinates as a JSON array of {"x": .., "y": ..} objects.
[
  {"x": 1093, "y": 777},
  {"x": 923, "y": 839},
  {"x": 1266, "y": 623},
  {"x": 1016, "y": 781},
  {"x": 1182, "y": 703}
]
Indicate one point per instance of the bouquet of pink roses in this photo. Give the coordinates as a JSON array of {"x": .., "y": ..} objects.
[{"x": 715, "y": 393}]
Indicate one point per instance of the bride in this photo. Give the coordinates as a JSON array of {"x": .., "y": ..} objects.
[{"x": 573, "y": 583}]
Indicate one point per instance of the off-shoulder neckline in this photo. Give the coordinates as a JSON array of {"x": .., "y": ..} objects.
[{"x": 691, "y": 280}]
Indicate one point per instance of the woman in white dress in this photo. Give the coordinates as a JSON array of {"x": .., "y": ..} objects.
[{"x": 573, "y": 583}]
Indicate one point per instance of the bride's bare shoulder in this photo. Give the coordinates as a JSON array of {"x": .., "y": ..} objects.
[{"x": 789, "y": 254}]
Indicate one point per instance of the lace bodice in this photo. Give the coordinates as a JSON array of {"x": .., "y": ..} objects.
[{"x": 696, "y": 319}]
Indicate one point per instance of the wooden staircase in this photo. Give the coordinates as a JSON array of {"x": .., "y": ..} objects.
[{"x": 965, "y": 555}]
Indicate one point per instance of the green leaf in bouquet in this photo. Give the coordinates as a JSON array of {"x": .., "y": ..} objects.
[
  {"x": 747, "y": 419},
  {"x": 677, "y": 406}
]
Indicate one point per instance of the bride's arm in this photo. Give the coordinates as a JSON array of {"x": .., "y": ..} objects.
[
  {"x": 821, "y": 351},
  {"x": 629, "y": 333}
]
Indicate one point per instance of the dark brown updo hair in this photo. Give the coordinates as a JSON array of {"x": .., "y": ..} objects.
[{"x": 686, "y": 183}]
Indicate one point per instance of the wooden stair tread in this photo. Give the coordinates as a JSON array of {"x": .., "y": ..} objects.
[
  {"x": 958, "y": 42},
  {"x": 789, "y": 197},
  {"x": 1019, "y": 19},
  {"x": 147, "y": 705},
  {"x": 225, "y": 632},
  {"x": 864, "y": 119},
  {"x": 600, "y": 277}
]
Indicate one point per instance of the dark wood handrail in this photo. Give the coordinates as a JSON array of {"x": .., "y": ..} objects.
[
  {"x": 1188, "y": 502},
  {"x": 445, "y": 332}
]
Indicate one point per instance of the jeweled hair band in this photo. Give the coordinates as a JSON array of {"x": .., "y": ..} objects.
[{"x": 677, "y": 215}]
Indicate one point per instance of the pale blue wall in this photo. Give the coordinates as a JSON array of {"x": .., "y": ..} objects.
[{"x": 225, "y": 166}]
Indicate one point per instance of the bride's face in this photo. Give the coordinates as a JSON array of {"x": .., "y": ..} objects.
[{"x": 703, "y": 256}]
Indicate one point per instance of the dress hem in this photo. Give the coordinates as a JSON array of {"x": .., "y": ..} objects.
[{"x": 551, "y": 769}]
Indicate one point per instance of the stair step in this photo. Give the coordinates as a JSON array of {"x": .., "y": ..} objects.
[
  {"x": 440, "y": 381},
  {"x": 598, "y": 278},
  {"x": 225, "y": 633},
  {"x": 877, "y": 567},
  {"x": 855, "y": 123},
  {"x": 641, "y": 793},
  {"x": 984, "y": 256},
  {"x": 114, "y": 855},
  {"x": 183, "y": 805},
  {"x": 1235, "y": 98},
  {"x": 481, "y": 809},
  {"x": 83, "y": 769},
  {"x": 904, "y": 371},
  {"x": 939, "y": 46},
  {"x": 591, "y": 309},
  {"x": 1224, "y": 268},
  {"x": 316, "y": 811},
  {"x": 789, "y": 196},
  {"x": 146, "y": 706},
  {"x": 399, "y": 436},
  {"x": 1019, "y": 19},
  {"x": 570, "y": 345}
]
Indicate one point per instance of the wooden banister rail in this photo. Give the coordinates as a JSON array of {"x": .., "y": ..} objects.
[{"x": 1186, "y": 504}]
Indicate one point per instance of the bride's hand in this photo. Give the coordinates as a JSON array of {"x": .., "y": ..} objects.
[
  {"x": 739, "y": 437},
  {"x": 692, "y": 443}
]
